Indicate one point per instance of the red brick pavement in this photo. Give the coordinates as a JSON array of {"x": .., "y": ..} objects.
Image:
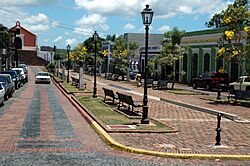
[
  {"x": 196, "y": 129},
  {"x": 189, "y": 122}
]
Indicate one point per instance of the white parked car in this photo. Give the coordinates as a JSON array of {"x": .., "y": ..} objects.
[
  {"x": 243, "y": 84},
  {"x": 2, "y": 92},
  {"x": 42, "y": 77},
  {"x": 24, "y": 77}
]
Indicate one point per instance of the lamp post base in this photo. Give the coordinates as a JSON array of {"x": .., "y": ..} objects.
[
  {"x": 94, "y": 92},
  {"x": 145, "y": 119}
]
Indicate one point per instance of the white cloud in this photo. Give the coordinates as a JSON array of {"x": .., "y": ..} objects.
[
  {"x": 162, "y": 9},
  {"x": 85, "y": 31},
  {"x": 129, "y": 27},
  {"x": 71, "y": 42},
  {"x": 164, "y": 28},
  {"x": 55, "y": 24},
  {"x": 40, "y": 18},
  {"x": 59, "y": 38},
  {"x": 25, "y": 2},
  {"x": 110, "y": 6},
  {"x": 92, "y": 21},
  {"x": 185, "y": 9},
  {"x": 38, "y": 27},
  {"x": 9, "y": 16},
  {"x": 104, "y": 27}
]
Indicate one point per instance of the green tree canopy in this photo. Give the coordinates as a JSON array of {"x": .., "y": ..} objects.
[
  {"x": 235, "y": 20},
  {"x": 4, "y": 37},
  {"x": 171, "y": 49},
  {"x": 122, "y": 52}
]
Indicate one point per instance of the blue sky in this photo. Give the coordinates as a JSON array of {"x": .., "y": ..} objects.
[{"x": 63, "y": 22}]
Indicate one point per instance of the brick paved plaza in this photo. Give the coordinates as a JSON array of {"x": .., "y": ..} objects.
[
  {"x": 196, "y": 129},
  {"x": 40, "y": 126}
]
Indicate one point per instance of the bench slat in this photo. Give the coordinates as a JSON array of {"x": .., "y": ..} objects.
[{"x": 123, "y": 98}]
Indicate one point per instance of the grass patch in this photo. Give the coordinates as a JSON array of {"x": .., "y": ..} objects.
[
  {"x": 71, "y": 88},
  {"x": 106, "y": 115},
  {"x": 103, "y": 112}
]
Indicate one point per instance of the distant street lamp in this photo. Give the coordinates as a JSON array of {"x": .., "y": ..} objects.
[
  {"x": 68, "y": 49},
  {"x": 147, "y": 16},
  {"x": 57, "y": 71},
  {"x": 95, "y": 37},
  {"x": 17, "y": 41}
]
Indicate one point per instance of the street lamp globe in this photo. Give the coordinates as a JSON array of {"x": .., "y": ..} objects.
[
  {"x": 95, "y": 36},
  {"x": 68, "y": 47},
  {"x": 147, "y": 16}
]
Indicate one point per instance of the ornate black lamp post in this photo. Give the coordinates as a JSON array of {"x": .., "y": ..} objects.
[
  {"x": 68, "y": 49},
  {"x": 95, "y": 37},
  {"x": 17, "y": 41},
  {"x": 147, "y": 16}
]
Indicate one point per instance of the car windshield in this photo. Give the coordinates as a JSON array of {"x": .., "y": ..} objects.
[
  {"x": 12, "y": 74},
  {"x": 247, "y": 79},
  {"x": 3, "y": 79},
  {"x": 42, "y": 74}
]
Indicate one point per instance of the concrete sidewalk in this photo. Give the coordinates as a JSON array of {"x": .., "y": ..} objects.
[{"x": 196, "y": 129}]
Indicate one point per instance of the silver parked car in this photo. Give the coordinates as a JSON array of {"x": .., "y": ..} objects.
[
  {"x": 8, "y": 84},
  {"x": 2, "y": 92}
]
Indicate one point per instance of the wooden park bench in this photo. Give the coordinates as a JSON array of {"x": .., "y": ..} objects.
[
  {"x": 115, "y": 77},
  {"x": 239, "y": 95},
  {"x": 76, "y": 82},
  {"x": 161, "y": 84},
  {"x": 123, "y": 98},
  {"x": 109, "y": 93},
  {"x": 109, "y": 76},
  {"x": 149, "y": 83}
]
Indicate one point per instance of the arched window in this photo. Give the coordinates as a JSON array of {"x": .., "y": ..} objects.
[
  {"x": 219, "y": 63},
  {"x": 194, "y": 65},
  {"x": 185, "y": 62},
  {"x": 206, "y": 62}
]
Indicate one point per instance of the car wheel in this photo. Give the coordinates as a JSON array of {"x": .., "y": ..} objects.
[
  {"x": 194, "y": 85},
  {"x": 207, "y": 87},
  {"x": 2, "y": 104},
  {"x": 5, "y": 97},
  {"x": 231, "y": 89}
]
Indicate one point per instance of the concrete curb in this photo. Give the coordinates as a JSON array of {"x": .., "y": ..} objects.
[{"x": 109, "y": 140}]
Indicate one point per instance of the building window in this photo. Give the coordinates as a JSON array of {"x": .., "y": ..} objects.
[
  {"x": 219, "y": 64},
  {"x": 194, "y": 65},
  {"x": 206, "y": 62}
]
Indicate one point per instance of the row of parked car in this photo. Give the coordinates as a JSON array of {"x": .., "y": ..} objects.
[
  {"x": 216, "y": 80},
  {"x": 12, "y": 80}
]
